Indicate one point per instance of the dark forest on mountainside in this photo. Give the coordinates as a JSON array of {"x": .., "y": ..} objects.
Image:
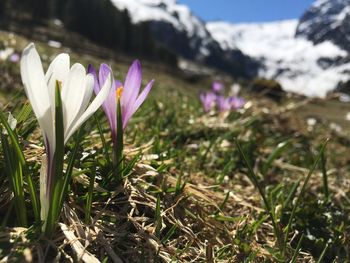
[{"x": 109, "y": 26}]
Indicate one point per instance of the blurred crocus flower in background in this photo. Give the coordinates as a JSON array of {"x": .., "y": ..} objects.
[
  {"x": 224, "y": 103},
  {"x": 237, "y": 102},
  {"x": 208, "y": 100},
  {"x": 235, "y": 89},
  {"x": 60, "y": 101},
  {"x": 15, "y": 57},
  {"x": 218, "y": 87}
]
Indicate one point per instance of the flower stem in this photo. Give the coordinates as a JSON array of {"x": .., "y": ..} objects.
[
  {"x": 119, "y": 146},
  {"x": 55, "y": 177}
]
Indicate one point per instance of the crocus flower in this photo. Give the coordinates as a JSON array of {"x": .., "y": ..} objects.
[
  {"x": 15, "y": 57},
  {"x": 129, "y": 94},
  {"x": 223, "y": 103},
  {"x": 237, "y": 102},
  {"x": 217, "y": 87},
  {"x": 76, "y": 91},
  {"x": 208, "y": 100}
]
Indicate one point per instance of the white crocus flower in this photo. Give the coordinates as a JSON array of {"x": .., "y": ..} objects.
[{"x": 76, "y": 91}]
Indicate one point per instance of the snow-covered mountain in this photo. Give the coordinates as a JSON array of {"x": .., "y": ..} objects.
[
  {"x": 176, "y": 27},
  {"x": 327, "y": 20},
  {"x": 297, "y": 63},
  {"x": 310, "y": 56}
]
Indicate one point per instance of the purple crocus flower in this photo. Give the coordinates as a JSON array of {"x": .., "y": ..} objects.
[
  {"x": 217, "y": 87},
  {"x": 237, "y": 102},
  {"x": 224, "y": 104},
  {"x": 15, "y": 57},
  {"x": 208, "y": 100},
  {"x": 130, "y": 99}
]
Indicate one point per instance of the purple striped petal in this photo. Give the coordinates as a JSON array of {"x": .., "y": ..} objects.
[
  {"x": 132, "y": 85},
  {"x": 103, "y": 73},
  {"x": 110, "y": 107},
  {"x": 92, "y": 71},
  {"x": 141, "y": 98}
]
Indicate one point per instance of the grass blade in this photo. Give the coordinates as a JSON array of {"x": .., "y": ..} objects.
[
  {"x": 15, "y": 176},
  {"x": 296, "y": 251},
  {"x": 19, "y": 153},
  {"x": 274, "y": 155},
  {"x": 252, "y": 176},
  {"x": 324, "y": 175},
  {"x": 323, "y": 253},
  {"x": 287, "y": 229},
  {"x": 103, "y": 140}
]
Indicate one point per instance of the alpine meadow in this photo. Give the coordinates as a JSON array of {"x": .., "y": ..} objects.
[{"x": 138, "y": 131}]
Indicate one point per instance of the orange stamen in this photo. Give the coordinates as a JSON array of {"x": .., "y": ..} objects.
[{"x": 119, "y": 92}]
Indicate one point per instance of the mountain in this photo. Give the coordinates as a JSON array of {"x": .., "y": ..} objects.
[
  {"x": 177, "y": 28},
  {"x": 327, "y": 20},
  {"x": 309, "y": 56},
  {"x": 297, "y": 63}
]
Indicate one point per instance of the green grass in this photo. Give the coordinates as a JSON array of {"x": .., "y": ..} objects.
[{"x": 188, "y": 195}]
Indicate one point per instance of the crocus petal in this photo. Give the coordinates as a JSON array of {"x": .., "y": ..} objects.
[
  {"x": 96, "y": 103},
  {"x": 89, "y": 84},
  {"x": 103, "y": 73},
  {"x": 34, "y": 82},
  {"x": 141, "y": 98},
  {"x": 110, "y": 107},
  {"x": 88, "y": 89},
  {"x": 72, "y": 93},
  {"x": 132, "y": 84},
  {"x": 92, "y": 71},
  {"x": 58, "y": 70}
]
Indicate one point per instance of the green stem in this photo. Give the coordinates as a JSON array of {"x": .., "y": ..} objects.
[
  {"x": 56, "y": 183},
  {"x": 89, "y": 197},
  {"x": 119, "y": 145}
]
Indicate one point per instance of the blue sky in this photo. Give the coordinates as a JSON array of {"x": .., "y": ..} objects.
[{"x": 248, "y": 10}]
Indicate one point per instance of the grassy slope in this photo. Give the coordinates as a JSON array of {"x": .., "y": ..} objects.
[{"x": 208, "y": 208}]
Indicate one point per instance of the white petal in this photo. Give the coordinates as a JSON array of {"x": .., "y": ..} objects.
[
  {"x": 34, "y": 81},
  {"x": 58, "y": 70},
  {"x": 89, "y": 86},
  {"x": 73, "y": 91},
  {"x": 36, "y": 89},
  {"x": 95, "y": 104}
]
